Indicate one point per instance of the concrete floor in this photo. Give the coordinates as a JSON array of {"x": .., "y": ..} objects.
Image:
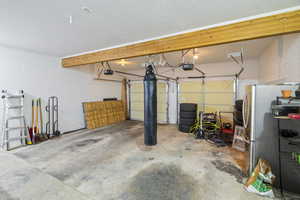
[{"x": 112, "y": 163}]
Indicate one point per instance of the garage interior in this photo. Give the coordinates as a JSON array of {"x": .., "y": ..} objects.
[{"x": 186, "y": 116}]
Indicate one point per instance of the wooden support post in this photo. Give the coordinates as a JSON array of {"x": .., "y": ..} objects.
[{"x": 124, "y": 97}]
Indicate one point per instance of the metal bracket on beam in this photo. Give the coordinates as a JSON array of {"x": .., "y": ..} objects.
[
  {"x": 184, "y": 53},
  {"x": 208, "y": 76},
  {"x": 167, "y": 77},
  {"x": 99, "y": 69},
  {"x": 199, "y": 70},
  {"x": 234, "y": 59},
  {"x": 130, "y": 74},
  {"x": 103, "y": 79},
  {"x": 240, "y": 72}
]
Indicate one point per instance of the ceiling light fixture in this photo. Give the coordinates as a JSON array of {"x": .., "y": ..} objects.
[
  {"x": 195, "y": 57},
  {"x": 86, "y": 9},
  {"x": 123, "y": 62},
  {"x": 70, "y": 19}
]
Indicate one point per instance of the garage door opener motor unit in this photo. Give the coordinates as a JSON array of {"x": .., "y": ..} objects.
[
  {"x": 108, "y": 70},
  {"x": 187, "y": 67}
]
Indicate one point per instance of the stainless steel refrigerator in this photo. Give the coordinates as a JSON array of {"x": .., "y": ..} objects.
[{"x": 260, "y": 126}]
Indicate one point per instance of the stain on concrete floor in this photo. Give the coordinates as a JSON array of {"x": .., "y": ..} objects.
[
  {"x": 88, "y": 142},
  {"x": 162, "y": 182},
  {"x": 229, "y": 168},
  {"x": 4, "y": 195}
]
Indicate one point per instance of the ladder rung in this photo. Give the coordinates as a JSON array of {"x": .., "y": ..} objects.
[
  {"x": 15, "y": 128},
  {"x": 15, "y": 107},
  {"x": 16, "y": 138},
  {"x": 239, "y": 137},
  {"x": 15, "y": 96},
  {"x": 15, "y": 117}
]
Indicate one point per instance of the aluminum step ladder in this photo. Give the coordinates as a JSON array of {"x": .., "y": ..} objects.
[{"x": 13, "y": 112}]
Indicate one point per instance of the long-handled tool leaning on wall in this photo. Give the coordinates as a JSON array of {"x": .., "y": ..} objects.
[
  {"x": 36, "y": 130},
  {"x": 33, "y": 133},
  {"x": 31, "y": 129},
  {"x": 36, "y": 127},
  {"x": 41, "y": 127}
]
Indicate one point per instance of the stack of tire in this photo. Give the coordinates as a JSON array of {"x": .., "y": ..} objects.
[
  {"x": 187, "y": 116},
  {"x": 238, "y": 113}
]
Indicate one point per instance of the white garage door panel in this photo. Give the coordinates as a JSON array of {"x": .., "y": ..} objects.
[
  {"x": 137, "y": 115},
  {"x": 211, "y": 95},
  {"x": 219, "y": 98},
  {"x": 191, "y": 92},
  {"x": 138, "y": 106},
  {"x": 217, "y": 108},
  {"x": 191, "y": 97},
  {"x": 140, "y": 116},
  {"x": 191, "y": 86},
  {"x": 136, "y": 87},
  {"x": 137, "y": 101},
  {"x": 219, "y": 85}
]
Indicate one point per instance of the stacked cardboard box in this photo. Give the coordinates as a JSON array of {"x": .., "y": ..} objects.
[{"x": 102, "y": 113}]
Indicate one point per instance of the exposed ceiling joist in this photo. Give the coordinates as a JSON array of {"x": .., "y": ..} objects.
[{"x": 251, "y": 29}]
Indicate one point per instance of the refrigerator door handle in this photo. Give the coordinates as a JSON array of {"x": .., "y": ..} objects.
[
  {"x": 252, "y": 109},
  {"x": 245, "y": 111}
]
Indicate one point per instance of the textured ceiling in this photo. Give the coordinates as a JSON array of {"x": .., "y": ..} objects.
[{"x": 43, "y": 26}]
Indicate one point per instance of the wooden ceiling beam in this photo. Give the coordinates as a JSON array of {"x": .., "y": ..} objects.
[{"x": 278, "y": 24}]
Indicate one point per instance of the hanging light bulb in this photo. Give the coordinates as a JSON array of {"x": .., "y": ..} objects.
[
  {"x": 86, "y": 9},
  {"x": 162, "y": 60},
  {"x": 123, "y": 62},
  {"x": 195, "y": 56},
  {"x": 70, "y": 19}
]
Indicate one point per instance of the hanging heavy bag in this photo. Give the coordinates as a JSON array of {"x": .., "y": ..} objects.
[{"x": 150, "y": 107}]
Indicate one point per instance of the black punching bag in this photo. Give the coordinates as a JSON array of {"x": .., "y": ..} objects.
[{"x": 150, "y": 107}]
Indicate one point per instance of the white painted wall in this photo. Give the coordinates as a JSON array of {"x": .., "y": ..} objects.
[
  {"x": 280, "y": 62},
  {"x": 42, "y": 76}
]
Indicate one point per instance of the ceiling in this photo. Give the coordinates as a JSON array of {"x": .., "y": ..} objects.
[
  {"x": 251, "y": 49},
  {"x": 44, "y": 26}
]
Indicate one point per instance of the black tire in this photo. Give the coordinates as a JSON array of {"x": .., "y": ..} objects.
[
  {"x": 188, "y": 115},
  {"x": 238, "y": 115},
  {"x": 238, "y": 118},
  {"x": 184, "y": 128},
  {"x": 239, "y": 105},
  {"x": 188, "y": 107},
  {"x": 187, "y": 121},
  {"x": 239, "y": 123}
]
